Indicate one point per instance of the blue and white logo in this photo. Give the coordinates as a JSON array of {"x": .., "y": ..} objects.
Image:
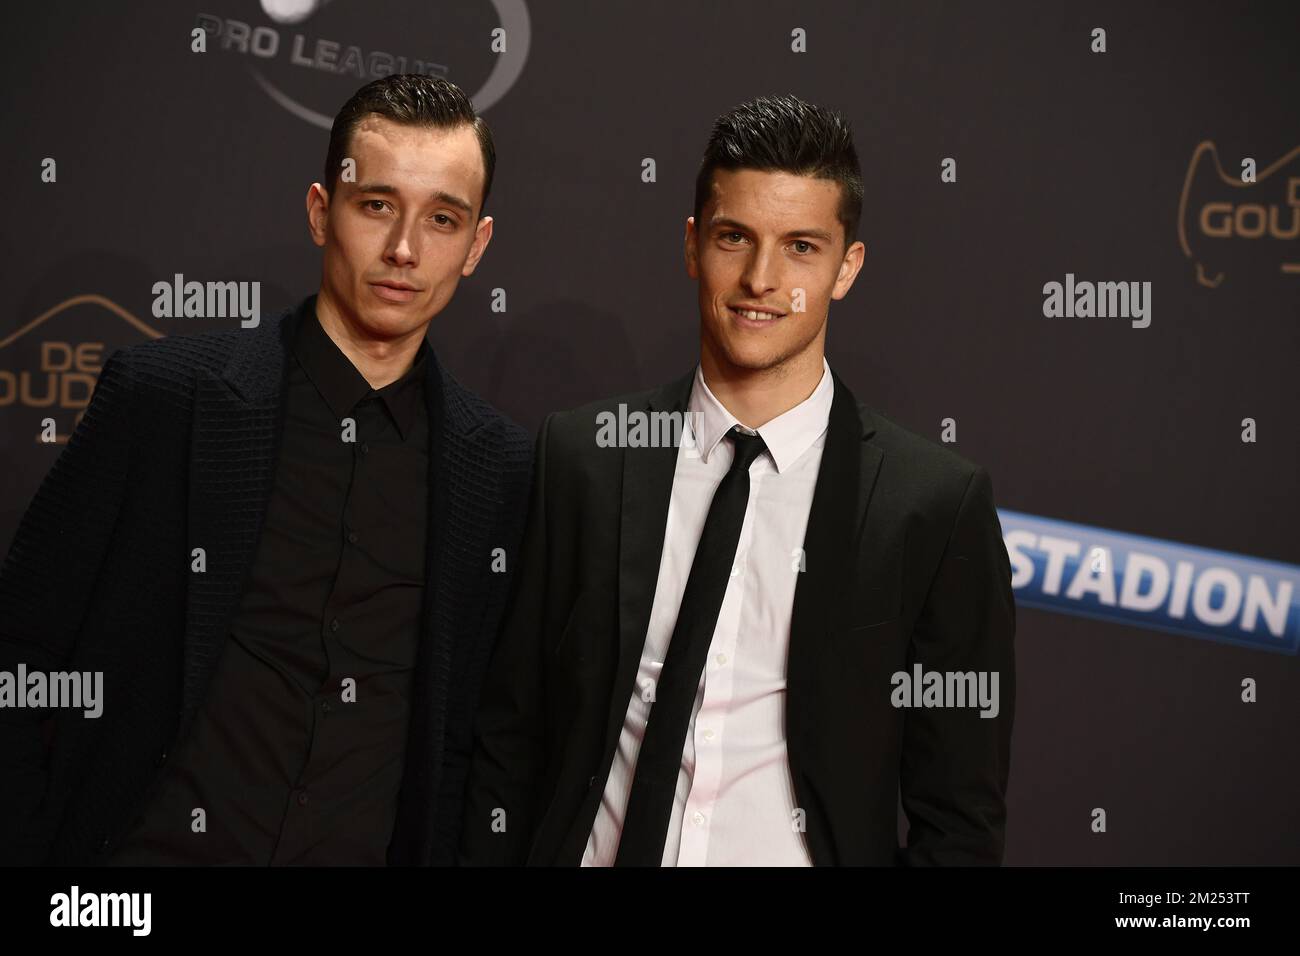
[{"x": 1131, "y": 579}]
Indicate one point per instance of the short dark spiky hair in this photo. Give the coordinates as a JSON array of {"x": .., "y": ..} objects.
[
  {"x": 413, "y": 99},
  {"x": 786, "y": 134}
]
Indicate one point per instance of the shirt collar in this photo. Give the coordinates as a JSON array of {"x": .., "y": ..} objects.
[
  {"x": 342, "y": 386},
  {"x": 787, "y": 436}
]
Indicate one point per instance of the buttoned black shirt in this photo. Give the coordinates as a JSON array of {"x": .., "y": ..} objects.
[{"x": 296, "y": 755}]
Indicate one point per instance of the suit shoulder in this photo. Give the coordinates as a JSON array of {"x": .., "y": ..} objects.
[
  {"x": 172, "y": 362},
  {"x": 577, "y": 427},
  {"x": 471, "y": 409},
  {"x": 926, "y": 464}
]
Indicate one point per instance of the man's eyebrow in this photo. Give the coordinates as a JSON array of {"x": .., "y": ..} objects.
[
  {"x": 441, "y": 195},
  {"x": 736, "y": 224},
  {"x": 453, "y": 200},
  {"x": 717, "y": 221},
  {"x": 811, "y": 234}
]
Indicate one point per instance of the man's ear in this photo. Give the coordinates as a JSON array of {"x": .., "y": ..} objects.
[
  {"x": 692, "y": 253},
  {"x": 849, "y": 268},
  {"x": 482, "y": 236},
  {"x": 318, "y": 207}
]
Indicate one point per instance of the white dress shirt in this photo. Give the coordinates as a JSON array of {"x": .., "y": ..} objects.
[{"x": 735, "y": 802}]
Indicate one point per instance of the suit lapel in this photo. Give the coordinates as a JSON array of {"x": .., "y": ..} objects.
[
  {"x": 464, "y": 472},
  {"x": 233, "y": 445},
  {"x": 845, "y": 480},
  {"x": 647, "y": 490}
]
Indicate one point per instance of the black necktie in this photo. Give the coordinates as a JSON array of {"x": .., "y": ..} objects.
[{"x": 654, "y": 785}]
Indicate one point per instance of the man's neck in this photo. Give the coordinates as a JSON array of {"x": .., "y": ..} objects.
[
  {"x": 380, "y": 361},
  {"x": 757, "y": 397}
]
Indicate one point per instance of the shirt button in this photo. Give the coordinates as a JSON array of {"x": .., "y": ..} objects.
[
  {"x": 334, "y": 624},
  {"x": 302, "y": 798},
  {"x": 708, "y": 735},
  {"x": 735, "y": 571},
  {"x": 722, "y": 659},
  {"x": 352, "y": 537},
  {"x": 698, "y": 818},
  {"x": 162, "y": 759},
  {"x": 325, "y": 706},
  {"x": 365, "y": 448}
]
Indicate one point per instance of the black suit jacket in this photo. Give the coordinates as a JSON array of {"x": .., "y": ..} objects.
[
  {"x": 176, "y": 451},
  {"x": 905, "y": 563}
]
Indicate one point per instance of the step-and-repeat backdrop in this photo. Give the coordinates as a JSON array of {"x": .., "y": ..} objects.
[{"x": 1083, "y": 272}]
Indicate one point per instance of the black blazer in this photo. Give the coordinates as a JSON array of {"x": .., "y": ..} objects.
[
  {"x": 905, "y": 563},
  {"x": 177, "y": 450}
]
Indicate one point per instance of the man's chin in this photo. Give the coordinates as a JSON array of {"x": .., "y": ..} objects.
[
  {"x": 384, "y": 320},
  {"x": 752, "y": 361}
]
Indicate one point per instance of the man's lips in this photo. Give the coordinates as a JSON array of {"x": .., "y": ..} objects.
[
  {"x": 755, "y": 316},
  {"x": 394, "y": 291}
]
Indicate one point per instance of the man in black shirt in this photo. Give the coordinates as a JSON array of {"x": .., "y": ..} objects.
[
  {"x": 287, "y": 549},
  {"x": 334, "y": 596}
]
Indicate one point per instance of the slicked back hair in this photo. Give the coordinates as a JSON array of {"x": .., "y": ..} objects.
[
  {"x": 785, "y": 134},
  {"x": 412, "y": 99}
]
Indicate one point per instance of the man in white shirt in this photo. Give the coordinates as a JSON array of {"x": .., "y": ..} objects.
[{"x": 718, "y": 645}]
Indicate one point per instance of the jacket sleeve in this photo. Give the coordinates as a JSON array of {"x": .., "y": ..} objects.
[
  {"x": 46, "y": 584},
  {"x": 508, "y": 767},
  {"x": 955, "y": 761}
]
